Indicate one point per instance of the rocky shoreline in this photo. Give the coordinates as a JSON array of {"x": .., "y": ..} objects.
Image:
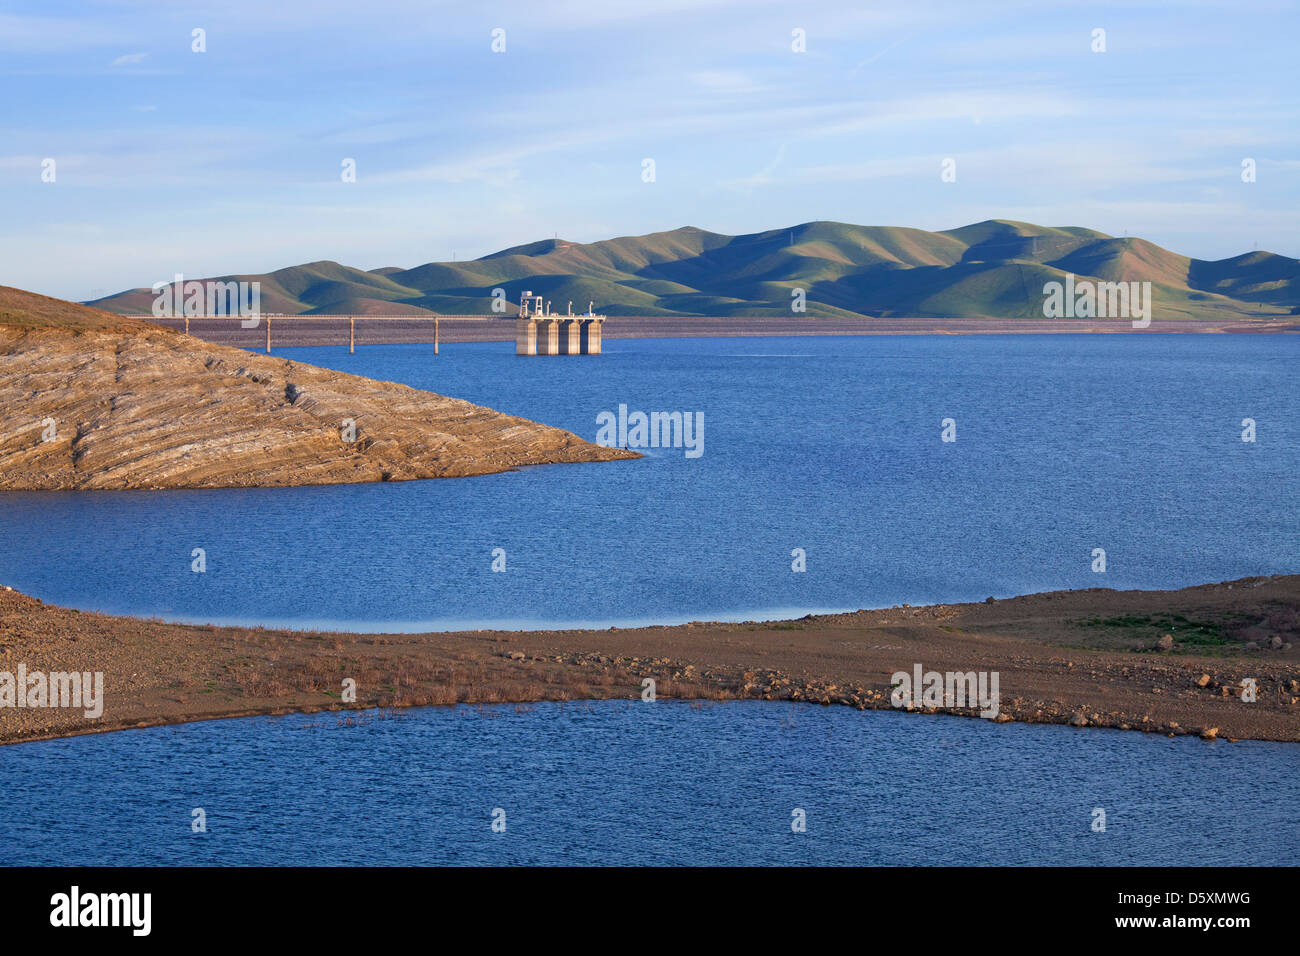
[
  {"x": 337, "y": 331},
  {"x": 1056, "y": 663},
  {"x": 90, "y": 401}
]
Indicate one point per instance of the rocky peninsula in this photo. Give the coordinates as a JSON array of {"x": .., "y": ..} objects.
[
  {"x": 90, "y": 400},
  {"x": 1218, "y": 661}
]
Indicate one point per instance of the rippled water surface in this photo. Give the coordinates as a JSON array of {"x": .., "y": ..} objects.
[
  {"x": 635, "y": 783},
  {"x": 1064, "y": 444}
]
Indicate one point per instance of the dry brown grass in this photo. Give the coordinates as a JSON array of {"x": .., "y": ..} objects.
[{"x": 29, "y": 310}]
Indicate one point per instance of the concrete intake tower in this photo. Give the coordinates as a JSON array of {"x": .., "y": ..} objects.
[{"x": 539, "y": 331}]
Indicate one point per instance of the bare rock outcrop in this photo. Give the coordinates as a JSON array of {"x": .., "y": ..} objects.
[{"x": 89, "y": 403}]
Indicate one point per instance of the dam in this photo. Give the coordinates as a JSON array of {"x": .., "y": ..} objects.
[{"x": 539, "y": 331}]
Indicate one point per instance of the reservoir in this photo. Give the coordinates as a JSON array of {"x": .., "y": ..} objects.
[
  {"x": 832, "y": 447},
  {"x": 629, "y": 783},
  {"x": 1064, "y": 444}
]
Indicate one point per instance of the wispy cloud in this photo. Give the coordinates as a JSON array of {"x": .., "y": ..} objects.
[
  {"x": 726, "y": 81},
  {"x": 174, "y": 153},
  {"x": 38, "y": 33}
]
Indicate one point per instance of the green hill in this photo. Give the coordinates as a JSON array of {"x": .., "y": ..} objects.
[{"x": 992, "y": 269}]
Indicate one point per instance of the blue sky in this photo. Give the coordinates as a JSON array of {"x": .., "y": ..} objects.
[{"x": 229, "y": 161}]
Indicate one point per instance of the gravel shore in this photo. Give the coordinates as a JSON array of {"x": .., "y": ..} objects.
[{"x": 1169, "y": 662}]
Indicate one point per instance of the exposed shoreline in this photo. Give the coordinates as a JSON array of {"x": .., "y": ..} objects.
[
  {"x": 88, "y": 405},
  {"x": 1056, "y": 664},
  {"x": 300, "y": 331}
]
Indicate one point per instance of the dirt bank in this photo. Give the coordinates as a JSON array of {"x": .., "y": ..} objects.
[
  {"x": 318, "y": 330},
  {"x": 1090, "y": 658}
]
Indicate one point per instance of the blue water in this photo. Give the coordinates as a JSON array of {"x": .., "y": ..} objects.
[
  {"x": 633, "y": 783},
  {"x": 1064, "y": 444}
]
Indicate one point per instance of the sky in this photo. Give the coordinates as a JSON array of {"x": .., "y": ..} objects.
[{"x": 231, "y": 160}]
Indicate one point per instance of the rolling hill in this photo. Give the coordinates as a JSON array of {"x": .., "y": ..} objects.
[{"x": 992, "y": 269}]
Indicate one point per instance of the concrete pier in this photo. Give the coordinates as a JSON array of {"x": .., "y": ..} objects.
[
  {"x": 525, "y": 336},
  {"x": 548, "y": 337},
  {"x": 590, "y": 336},
  {"x": 570, "y": 338},
  {"x": 558, "y": 335}
]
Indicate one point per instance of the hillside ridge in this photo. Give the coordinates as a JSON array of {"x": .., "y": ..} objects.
[{"x": 990, "y": 269}]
